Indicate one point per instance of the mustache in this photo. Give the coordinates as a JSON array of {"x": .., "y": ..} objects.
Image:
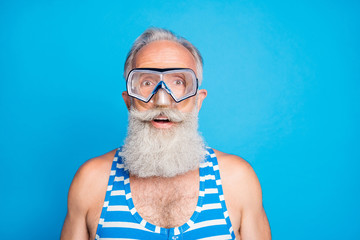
[{"x": 173, "y": 115}]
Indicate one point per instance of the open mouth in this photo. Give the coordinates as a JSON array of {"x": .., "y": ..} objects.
[{"x": 162, "y": 122}]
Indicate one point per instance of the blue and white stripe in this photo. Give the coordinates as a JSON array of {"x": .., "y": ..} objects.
[{"x": 120, "y": 220}]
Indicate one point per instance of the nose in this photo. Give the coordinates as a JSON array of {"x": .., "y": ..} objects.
[{"x": 162, "y": 98}]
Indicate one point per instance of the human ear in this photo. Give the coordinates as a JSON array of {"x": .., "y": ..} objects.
[
  {"x": 127, "y": 99},
  {"x": 202, "y": 93}
]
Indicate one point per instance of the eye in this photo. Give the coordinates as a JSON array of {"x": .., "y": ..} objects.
[
  {"x": 179, "y": 82},
  {"x": 146, "y": 83}
]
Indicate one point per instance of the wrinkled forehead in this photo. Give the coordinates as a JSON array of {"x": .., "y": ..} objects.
[{"x": 164, "y": 54}]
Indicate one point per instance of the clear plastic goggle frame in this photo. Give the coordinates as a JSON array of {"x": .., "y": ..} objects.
[{"x": 179, "y": 83}]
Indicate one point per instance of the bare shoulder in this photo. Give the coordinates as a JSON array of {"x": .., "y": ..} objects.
[
  {"x": 235, "y": 169},
  {"x": 96, "y": 167},
  {"x": 91, "y": 178},
  {"x": 243, "y": 196},
  {"x": 86, "y": 194},
  {"x": 239, "y": 179},
  {"x": 226, "y": 159}
]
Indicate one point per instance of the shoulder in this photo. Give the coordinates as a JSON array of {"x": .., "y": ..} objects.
[
  {"x": 95, "y": 167},
  {"x": 243, "y": 196},
  {"x": 238, "y": 178},
  {"x": 234, "y": 166},
  {"x": 86, "y": 192},
  {"x": 89, "y": 181}
]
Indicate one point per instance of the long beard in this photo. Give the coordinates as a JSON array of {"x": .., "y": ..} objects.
[{"x": 149, "y": 151}]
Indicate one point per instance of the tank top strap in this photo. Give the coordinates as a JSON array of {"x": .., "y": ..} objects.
[
  {"x": 214, "y": 171},
  {"x": 115, "y": 189}
]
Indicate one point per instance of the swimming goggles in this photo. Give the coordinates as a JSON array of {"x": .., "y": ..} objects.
[{"x": 144, "y": 83}]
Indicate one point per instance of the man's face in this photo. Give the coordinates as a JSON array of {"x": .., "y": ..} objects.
[
  {"x": 162, "y": 135},
  {"x": 165, "y": 54}
]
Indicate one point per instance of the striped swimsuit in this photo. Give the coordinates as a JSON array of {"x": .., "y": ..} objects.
[{"x": 120, "y": 220}]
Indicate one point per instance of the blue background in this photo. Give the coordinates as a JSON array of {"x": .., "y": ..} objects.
[{"x": 283, "y": 83}]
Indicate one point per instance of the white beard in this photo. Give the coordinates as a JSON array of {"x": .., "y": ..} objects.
[{"x": 149, "y": 151}]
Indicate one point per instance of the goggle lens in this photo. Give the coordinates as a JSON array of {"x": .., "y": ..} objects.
[{"x": 179, "y": 83}]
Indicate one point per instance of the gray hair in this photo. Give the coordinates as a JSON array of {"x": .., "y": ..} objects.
[{"x": 158, "y": 34}]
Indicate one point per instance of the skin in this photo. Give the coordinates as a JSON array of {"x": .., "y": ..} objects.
[{"x": 242, "y": 191}]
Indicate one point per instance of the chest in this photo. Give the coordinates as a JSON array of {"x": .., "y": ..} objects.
[{"x": 166, "y": 203}]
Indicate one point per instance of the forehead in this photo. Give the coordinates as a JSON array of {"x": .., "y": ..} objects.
[{"x": 164, "y": 54}]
